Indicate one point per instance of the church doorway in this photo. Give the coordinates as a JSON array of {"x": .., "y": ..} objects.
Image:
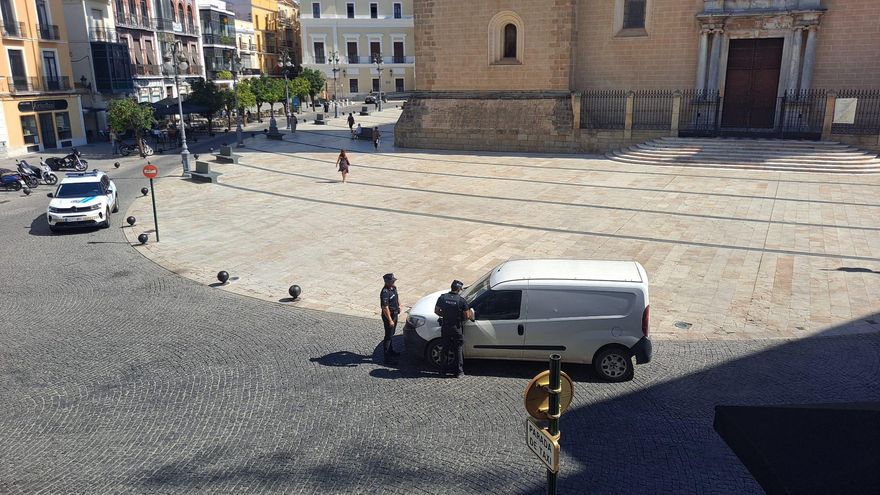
[{"x": 751, "y": 88}]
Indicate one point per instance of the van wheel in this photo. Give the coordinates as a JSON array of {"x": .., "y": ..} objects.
[
  {"x": 435, "y": 353},
  {"x": 614, "y": 364}
]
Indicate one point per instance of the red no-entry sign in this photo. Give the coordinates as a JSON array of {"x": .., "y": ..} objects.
[{"x": 150, "y": 171}]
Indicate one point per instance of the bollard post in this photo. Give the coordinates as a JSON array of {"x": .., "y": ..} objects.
[
  {"x": 155, "y": 217},
  {"x": 553, "y": 414}
]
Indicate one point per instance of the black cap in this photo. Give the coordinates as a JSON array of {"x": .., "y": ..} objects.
[
  {"x": 389, "y": 277},
  {"x": 456, "y": 285}
]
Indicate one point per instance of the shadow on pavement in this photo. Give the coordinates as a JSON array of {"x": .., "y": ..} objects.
[{"x": 658, "y": 437}]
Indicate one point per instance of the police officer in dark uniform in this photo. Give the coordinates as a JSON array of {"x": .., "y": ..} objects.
[
  {"x": 390, "y": 305},
  {"x": 453, "y": 310}
]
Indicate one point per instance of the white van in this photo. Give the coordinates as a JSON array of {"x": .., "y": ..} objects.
[{"x": 586, "y": 311}]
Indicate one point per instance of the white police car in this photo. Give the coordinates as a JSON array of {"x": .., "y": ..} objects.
[{"x": 82, "y": 199}]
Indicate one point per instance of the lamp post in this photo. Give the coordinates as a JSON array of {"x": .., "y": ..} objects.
[
  {"x": 377, "y": 59},
  {"x": 285, "y": 64},
  {"x": 236, "y": 68},
  {"x": 334, "y": 66},
  {"x": 171, "y": 66}
]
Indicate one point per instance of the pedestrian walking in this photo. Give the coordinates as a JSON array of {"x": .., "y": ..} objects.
[
  {"x": 376, "y": 135},
  {"x": 343, "y": 164},
  {"x": 293, "y": 122},
  {"x": 350, "y": 122},
  {"x": 390, "y": 306},
  {"x": 453, "y": 310},
  {"x": 114, "y": 140}
]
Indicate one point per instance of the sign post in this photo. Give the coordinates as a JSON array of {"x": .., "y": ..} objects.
[
  {"x": 150, "y": 172},
  {"x": 546, "y": 397}
]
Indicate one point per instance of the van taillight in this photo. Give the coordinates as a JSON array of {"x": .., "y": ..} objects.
[{"x": 645, "y": 317}]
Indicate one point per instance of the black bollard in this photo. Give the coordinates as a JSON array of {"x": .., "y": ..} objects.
[
  {"x": 116, "y": 165},
  {"x": 144, "y": 191},
  {"x": 294, "y": 291},
  {"x": 131, "y": 220},
  {"x": 143, "y": 238},
  {"x": 223, "y": 277}
]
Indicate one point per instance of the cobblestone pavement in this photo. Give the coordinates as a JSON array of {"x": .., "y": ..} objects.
[
  {"x": 117, "y": 376},
  {"x": 730, "y": 254}
]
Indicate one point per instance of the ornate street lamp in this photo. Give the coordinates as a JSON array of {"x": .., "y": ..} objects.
[
  {"x": 174, "y": 63},
  {"x": 334, "y": 66},
  {"x": 377, "y": 59},
  {"x": 285, "y": 64},
  {"x": 236, "y": 68}
]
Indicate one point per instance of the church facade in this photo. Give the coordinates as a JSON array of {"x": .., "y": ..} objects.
[{"x": 592, "y": 75}]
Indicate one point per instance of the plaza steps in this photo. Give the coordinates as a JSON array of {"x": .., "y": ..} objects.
[{"x": 750, "y": 154}]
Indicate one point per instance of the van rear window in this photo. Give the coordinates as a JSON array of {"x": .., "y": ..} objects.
[{"x": 549, "y": 303}]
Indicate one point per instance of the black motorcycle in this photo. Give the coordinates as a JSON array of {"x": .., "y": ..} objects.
[
  {"x": 29, "y": 174},
  {"x": 73, "y": 160}
]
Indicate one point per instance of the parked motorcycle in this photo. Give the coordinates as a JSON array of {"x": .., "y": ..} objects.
[
  {"x": 28, "y": 174},
  {"x": 126, "y": 149},
  {"x": 73, "y": 160},
  {"x": 11, "y": 180},
  {"x": 46, "y": 174}
]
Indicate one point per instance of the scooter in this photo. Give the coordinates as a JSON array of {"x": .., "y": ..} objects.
[
  {"x": 28, "y": 174},
  {"x": 11, "y": 180},
  {"x": 46, "y": 174},
  {"x": 73, "y": 160}
]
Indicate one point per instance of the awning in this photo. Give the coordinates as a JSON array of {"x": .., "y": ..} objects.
[
  {"x": 168, "y": 106},
  {"x": 824, "y": 448}
]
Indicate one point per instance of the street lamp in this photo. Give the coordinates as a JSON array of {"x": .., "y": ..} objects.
[
  {"x": 285, "y": 64},
  {"x": 180, "y": 65},
  {"x": 334, "y": 66},
  {"x": 236, "y": 68},
  {"x": 377, "y": 59}
]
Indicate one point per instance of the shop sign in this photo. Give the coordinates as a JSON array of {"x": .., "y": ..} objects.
[{"x": 42, "y": 105}]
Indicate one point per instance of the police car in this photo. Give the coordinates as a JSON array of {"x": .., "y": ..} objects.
[{"x": 82, "y": 199}]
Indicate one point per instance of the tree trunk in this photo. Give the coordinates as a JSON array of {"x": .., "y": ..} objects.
[
  {"x": 140, "y": 142},
  {"x": 210, "y": 122},
  {"x": 259, "y": 115}
]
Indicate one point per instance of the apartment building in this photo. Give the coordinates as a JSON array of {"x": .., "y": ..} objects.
[
  {"x": 41, "y": 108},
  {"x": 218, "y": 37},
  {"x": 357, "y": 33},
  {"x": 247, "y": 48}
]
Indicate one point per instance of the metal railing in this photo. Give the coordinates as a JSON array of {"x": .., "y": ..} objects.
[
  {"x": 31, "y": 84},
  {"x": 866, "y": 114},
  {"x": 604, "y": 109},
  {"x": 699, "y": 112},
  {"x": 320, "y": 59},
  {"x": 48, "y": 32},
  {"x": 57, "y": 83},
  {"x": 147, "y": 69},
  {"x": 136, "y": 21},
  {"x": 652, "y": 109},
  {"x": 194, "y": 70},
  {"x": 103, "y": 34},
  {"x": 13, "y": 29},
  {"x": 218, "y": 39},
  {"x": 357, "y": 59},
  {"x": 801, "y": 114},
  {"x": 400, "y": 59}
]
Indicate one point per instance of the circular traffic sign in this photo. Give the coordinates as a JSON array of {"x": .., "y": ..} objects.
[
  {"x": 150, "y": 171},
  {"x": 537, "y": 398}
]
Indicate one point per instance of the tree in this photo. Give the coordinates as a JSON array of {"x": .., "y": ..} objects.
[
  {"x": 246, "y": 98},
  {"x": 208, "y": 95},
  {"x": 260, "y": 88},
  {"x": 224, "y": 75},
  {"x": 274, "y": 92},
  {"x": 316, "y": 81},
  {"x": 228, "y": 105},
  {"x": 129, "y": 115},
  {"x": 299, "y": 87}
]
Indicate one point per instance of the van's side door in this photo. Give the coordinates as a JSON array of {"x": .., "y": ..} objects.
[
  {"x": 574, "y": 322},
  {"x": 498, "y": 329}
]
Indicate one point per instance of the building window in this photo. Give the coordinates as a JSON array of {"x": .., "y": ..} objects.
[
  {"x": 506, "y": 39},
  {"x": 398, "y": 11},
  {"x": 374, "y": 11},
  {"x": 62, "y": 125},
  {"x": 180, "y": 17},
  {"x": 634, "y": 14},
  {"x": 145, "y": 14},
  {"x": 352, "y": 50},
  {"x": 376, "y": 84},
  {"x": 319, "y": 52},
  {"x": 29, "y": 129},
  {"x": 631, "y": 17},
  {"x": 350, "y": 10},
  {"x": 8, "y": 14},
  {"x": 398, "y": 85},
  {"x": 316, "y": 10},
  {"x": 353, "y": 86},
  {"x": 375, "y": 50}
]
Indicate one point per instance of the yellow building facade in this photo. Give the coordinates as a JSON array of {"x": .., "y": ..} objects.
[{"x": 41, "y": 104}]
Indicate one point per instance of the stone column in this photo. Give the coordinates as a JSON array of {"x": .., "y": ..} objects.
[
  {"x": 715, "y": 61},
  {"x": 830, "y": 103},
  {"x": 701, "y": 61},
  {"x": 795, "y": 67},
  {"x": 809, "y": 58},
  {"x": 628, "y": 116},
  {"x": 676, "y": 112}
]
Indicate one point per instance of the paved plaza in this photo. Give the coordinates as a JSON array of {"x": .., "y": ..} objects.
[
  {"x": 730, "y": 254},
  {"x": 119, "y": 376}
]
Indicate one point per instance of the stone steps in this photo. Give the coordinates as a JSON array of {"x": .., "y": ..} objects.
[{"x": 750, "y": 154}]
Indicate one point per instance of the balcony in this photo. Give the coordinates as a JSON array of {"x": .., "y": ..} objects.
[
  {"x": 193, "y": 70},
  {"x": 170, "y": 25},
  {"x": 250, "y": 47},
  {"x": 147, "y": 70},
  {"x": 103, "y": 35},
  {"x": 26, "y": 84},
  {"x": 48, "y": 32},
  {"x": 219, "y": 39},
  {"x": 320, "y": 59},
  {"x": 14, "y": 30},
  {"x": 356, "y": 59},
  {"x": 133, "y": 21},
  {"x": 399, "y": 59}
]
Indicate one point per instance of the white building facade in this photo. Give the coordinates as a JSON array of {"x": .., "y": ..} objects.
[{"x": 356, "y": 32}]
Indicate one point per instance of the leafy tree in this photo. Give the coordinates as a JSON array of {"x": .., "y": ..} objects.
[
  {"x": 316, "y": 81},
  {"x": 128, "y": 115},
  {"x": 224, "y": 75},
  {"x": 228, "y": 105},
  {"x": 274, "y": 92},
  {"x": 299, "y": 87},
  {"x": 207, "y": 94},
  {"x": 246, "y": 98},
  {"x": 262, "y": 93}
]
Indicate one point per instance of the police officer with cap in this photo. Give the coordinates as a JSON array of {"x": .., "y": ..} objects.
[
  {"x": 453, "y": 310},
  {"x": 390, "y": 305}
]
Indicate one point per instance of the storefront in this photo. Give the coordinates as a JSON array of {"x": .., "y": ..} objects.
[{"x": 44, "y": 124}]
